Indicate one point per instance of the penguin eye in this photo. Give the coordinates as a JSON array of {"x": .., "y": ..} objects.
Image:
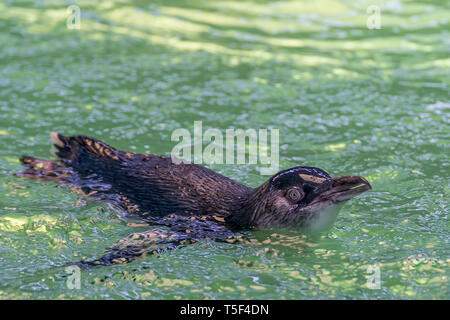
[{"x": 295, "y": 194}]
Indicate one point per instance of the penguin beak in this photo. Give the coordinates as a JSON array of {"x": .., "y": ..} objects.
[{"x": 345, "y": 188}]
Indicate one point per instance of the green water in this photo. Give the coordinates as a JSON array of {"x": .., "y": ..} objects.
[{"x": 345, "y": 98}]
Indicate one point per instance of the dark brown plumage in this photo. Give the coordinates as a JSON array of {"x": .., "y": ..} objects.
[{"x": 191, "y": 197}]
